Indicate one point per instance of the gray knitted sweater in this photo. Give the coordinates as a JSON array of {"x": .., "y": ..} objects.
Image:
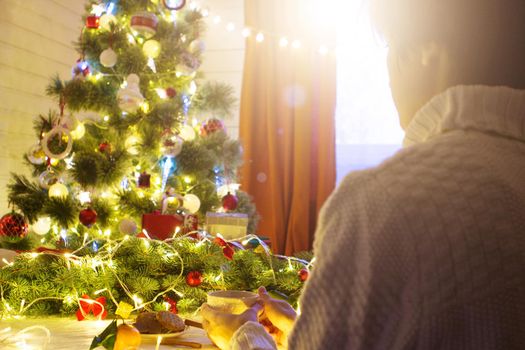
[{"x": 427, "y": 250}]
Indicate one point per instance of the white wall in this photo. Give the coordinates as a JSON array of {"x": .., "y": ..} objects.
[
  {"x": 224, "y": 56},
  {"x": 34, "y": 45}
]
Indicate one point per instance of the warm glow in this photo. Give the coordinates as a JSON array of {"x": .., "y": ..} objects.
[
  {"x": 259, "y": 37},
  {"x": 246, "y": 32},
  {"x": 283, "y": 42}
]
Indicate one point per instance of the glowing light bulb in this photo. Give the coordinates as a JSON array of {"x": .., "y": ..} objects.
[
  {"x": 246, "y": 32},
  {"x": 106, "y": 118},
  {"x": 230, "y": 27},
  {"x": 217, "y": 19},
  {"x": 259, "y": 37},
  {"x": 296, "y": 44},
  {"x": 323, "y": 50},
  {"x": 162, "y": 93},
  {"x": 283, "y": 42}
]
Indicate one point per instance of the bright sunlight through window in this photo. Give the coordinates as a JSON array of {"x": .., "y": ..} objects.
[{"x": 367, "y": 128}]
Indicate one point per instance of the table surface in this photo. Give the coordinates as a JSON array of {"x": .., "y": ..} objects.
[{"x": 70, "y": 334}]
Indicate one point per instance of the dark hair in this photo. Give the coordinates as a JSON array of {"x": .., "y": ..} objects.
[{"x": 486, "y": 38}]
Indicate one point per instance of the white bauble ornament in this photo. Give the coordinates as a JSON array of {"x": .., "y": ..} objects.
[
  {"x": 79, "y": 131},
  {"x": 132, "y": 144},
  {"x": 36, "y": 155},
  {"x": 42, "y": 226},
  {"x": 127, "y": 227},
  {"x": 187, "y": 133},
  {"x": 58, "y": 190},
  {"x": 108, "y": 58},
  {"x": 171, "y": 145},
  {"x": 105, "y": 20},
  {"x": 197, "y": 46},
  {"x": 192, "y": 203},
  {"x": 130, "y": 98},
  {"x": 151, "y": 48}
]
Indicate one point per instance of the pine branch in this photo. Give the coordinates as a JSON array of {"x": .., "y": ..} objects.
[{"x": 26, "y": 196}]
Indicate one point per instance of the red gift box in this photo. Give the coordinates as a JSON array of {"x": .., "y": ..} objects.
[{"x": 159, "y": 226}]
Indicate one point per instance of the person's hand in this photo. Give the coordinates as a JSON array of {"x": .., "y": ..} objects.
[
  {"x": 281, "y": 315},
  {"x": 221, "y": 326}
]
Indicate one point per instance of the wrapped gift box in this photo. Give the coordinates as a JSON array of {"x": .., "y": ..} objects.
[
  {"x": 161, "y": 226},
  {"x": 229, "y": 225}
]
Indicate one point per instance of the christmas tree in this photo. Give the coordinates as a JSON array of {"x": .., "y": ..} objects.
[{"x": 136, "y": 140}]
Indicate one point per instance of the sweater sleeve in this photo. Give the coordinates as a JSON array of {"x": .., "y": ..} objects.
[
  {"x": 352, "y": 298},
  {"x": 252, "y": 336}
]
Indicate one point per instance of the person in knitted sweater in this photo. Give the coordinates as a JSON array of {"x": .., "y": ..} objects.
[{"x": 427, "y": 250}]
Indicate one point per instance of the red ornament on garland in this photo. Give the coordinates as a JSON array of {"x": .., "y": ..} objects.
[
  {"x": 171, "y": 92},
  {"x": 92, "y": 22},
  {"x": 95, "y": 306},
  {"x": 230, "y": 202},
  {"x": 212, "y": 125},
  {"x": 194, "y": 278},
  {"x": 13, "y": 225},
  {"x": 227, "y": 248},
  {"x": 172, "y": 303},
  {"x": 87, "y": 217},
  {"x": 303, "y": 274},
  {"x": 104, "y": 147}
]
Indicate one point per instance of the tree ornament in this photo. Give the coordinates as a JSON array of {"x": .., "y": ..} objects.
[
  {"x": 151, "y": 48},
  {"x": 228, "y": 252},
  {"x": 212, "y": 125},
  {"x": 36, "y": 154},
  {"x": 171, "y": 92},
  {"x": 172, "y": 304},
  {"x": 132, "y": 145},
  {"x": 129, "y": 98},
  {"x": 65, "y": 135},
  {"x": 144, "y": 23},
  {"x": 144, "y": 180},
  {"x": 230, "y": 202},
  {"x": 128, "y": 338},
  {"x": 188, "y": 64},
  {"x": 303, "y": 274},
  {"x": 13, "y": 225},
  {"x": 108, "y": 58},
  {"x": 92, "y": 22},
  {"x": 79, "y": 131},
  {"x": 58, "y": 190},
  {"x": 87, "y": 217},
  {"x": 47, "y": 178},
  {"x": 95, "y": 306},
  {"x": 127, "y": 227},
  {"x": 192, "y": 203},
  {"x": 104, "y": 147},
  {"x": 80, "y": 70},
  {"x": 42, "y": 225},
  {"x": 194, "y": 278},
  {"x": 174, "y": 5},
  {"x": 106, "y": 20},
  {"x": 197, "y": 46},
  {"x": 170, "y": 144},
  {"x": 187, "y": 133}
]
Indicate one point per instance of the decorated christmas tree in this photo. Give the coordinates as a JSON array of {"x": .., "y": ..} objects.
[{"x": 132, "y": 173}]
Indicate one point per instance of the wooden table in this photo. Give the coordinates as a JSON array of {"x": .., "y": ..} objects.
[{"x": 70, "y": 334}]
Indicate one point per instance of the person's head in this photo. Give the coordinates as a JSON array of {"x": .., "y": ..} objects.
[{"x": 437, "y": 44}]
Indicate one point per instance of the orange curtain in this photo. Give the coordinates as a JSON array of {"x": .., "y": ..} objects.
[{"x": 287, "y": 120}]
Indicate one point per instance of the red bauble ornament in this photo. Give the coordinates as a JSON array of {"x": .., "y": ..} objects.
[
  {"x": 212, "y": 125},
  {"x": 104, "y": 147},
  {"x": 92, "y": 22},
  {"x": 144, "y": 180},
  {"x": 230, "y": 202},
  {"x": 87, "y": 217},
  {"x": 303, "y": 274},
  {"x": 13, "y": 225},
  {"x": 194, "y": 278},
  {"x": 173, "y": 304},
  {"x": 171, "y": 92}
]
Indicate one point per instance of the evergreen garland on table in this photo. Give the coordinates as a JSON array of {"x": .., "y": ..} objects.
[{"x": 140, "y": 272}]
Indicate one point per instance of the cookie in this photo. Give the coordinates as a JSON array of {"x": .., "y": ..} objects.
[
  {"x": 147, "y": 323},
  {"x": 170, "y": 321}
]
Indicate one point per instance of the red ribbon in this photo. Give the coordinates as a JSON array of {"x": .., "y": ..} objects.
[
  {"x": 227, "y": 248},
  {"x": 95, "y": 306}
]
